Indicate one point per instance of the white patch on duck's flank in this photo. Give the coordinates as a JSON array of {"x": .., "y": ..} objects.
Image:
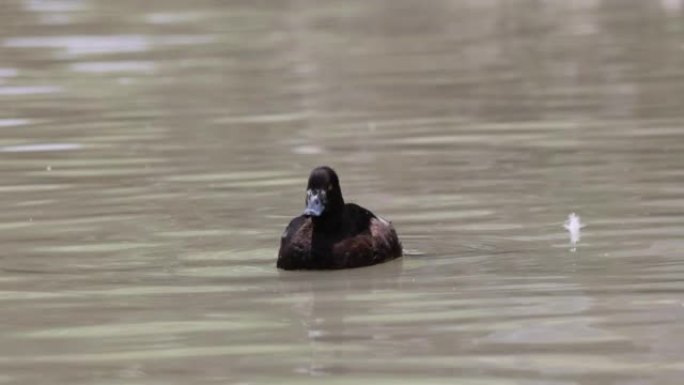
[
  {"x": 383, "y": 220},
  {"x": 573, "y": 225}
]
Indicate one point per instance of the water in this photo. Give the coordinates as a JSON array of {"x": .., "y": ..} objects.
[{"x": 150, "y": 157}]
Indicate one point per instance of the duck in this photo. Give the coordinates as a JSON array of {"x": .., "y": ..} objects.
[{"x": 331, "y": 234}]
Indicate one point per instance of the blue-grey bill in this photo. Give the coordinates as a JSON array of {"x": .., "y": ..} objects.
[{"x": 314, "y": 208}]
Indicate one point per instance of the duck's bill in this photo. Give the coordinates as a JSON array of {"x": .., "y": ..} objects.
[
  {"x": 313, "y": 212},
  {"x": 315, "y": 204}
]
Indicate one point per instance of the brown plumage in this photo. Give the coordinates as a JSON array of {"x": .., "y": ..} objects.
[{"x": 334, "y": 235}]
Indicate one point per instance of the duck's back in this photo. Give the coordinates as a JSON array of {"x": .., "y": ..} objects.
[{"x": 362, "y": 239}]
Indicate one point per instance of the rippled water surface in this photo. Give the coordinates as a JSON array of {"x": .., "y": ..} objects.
[{"x": 152, "y": 152}]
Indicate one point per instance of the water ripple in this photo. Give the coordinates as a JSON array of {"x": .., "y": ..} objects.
[{"x": 42, "y": 147}]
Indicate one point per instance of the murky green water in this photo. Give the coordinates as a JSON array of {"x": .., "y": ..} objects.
[{"x": 152, "y": 152}]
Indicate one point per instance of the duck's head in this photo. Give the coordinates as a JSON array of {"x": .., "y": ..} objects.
[{"x": 323, "y": 193}]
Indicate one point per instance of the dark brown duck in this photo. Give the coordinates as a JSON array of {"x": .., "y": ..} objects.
[{"x": 333, "y": 235}]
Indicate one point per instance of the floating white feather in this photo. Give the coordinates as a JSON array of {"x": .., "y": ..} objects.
[{"x": 573, "y": 225}]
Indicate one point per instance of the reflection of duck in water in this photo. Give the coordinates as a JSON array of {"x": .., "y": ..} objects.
[
  {"x": 333, "y": 235},
  {"x": 321, "y": 310}
]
